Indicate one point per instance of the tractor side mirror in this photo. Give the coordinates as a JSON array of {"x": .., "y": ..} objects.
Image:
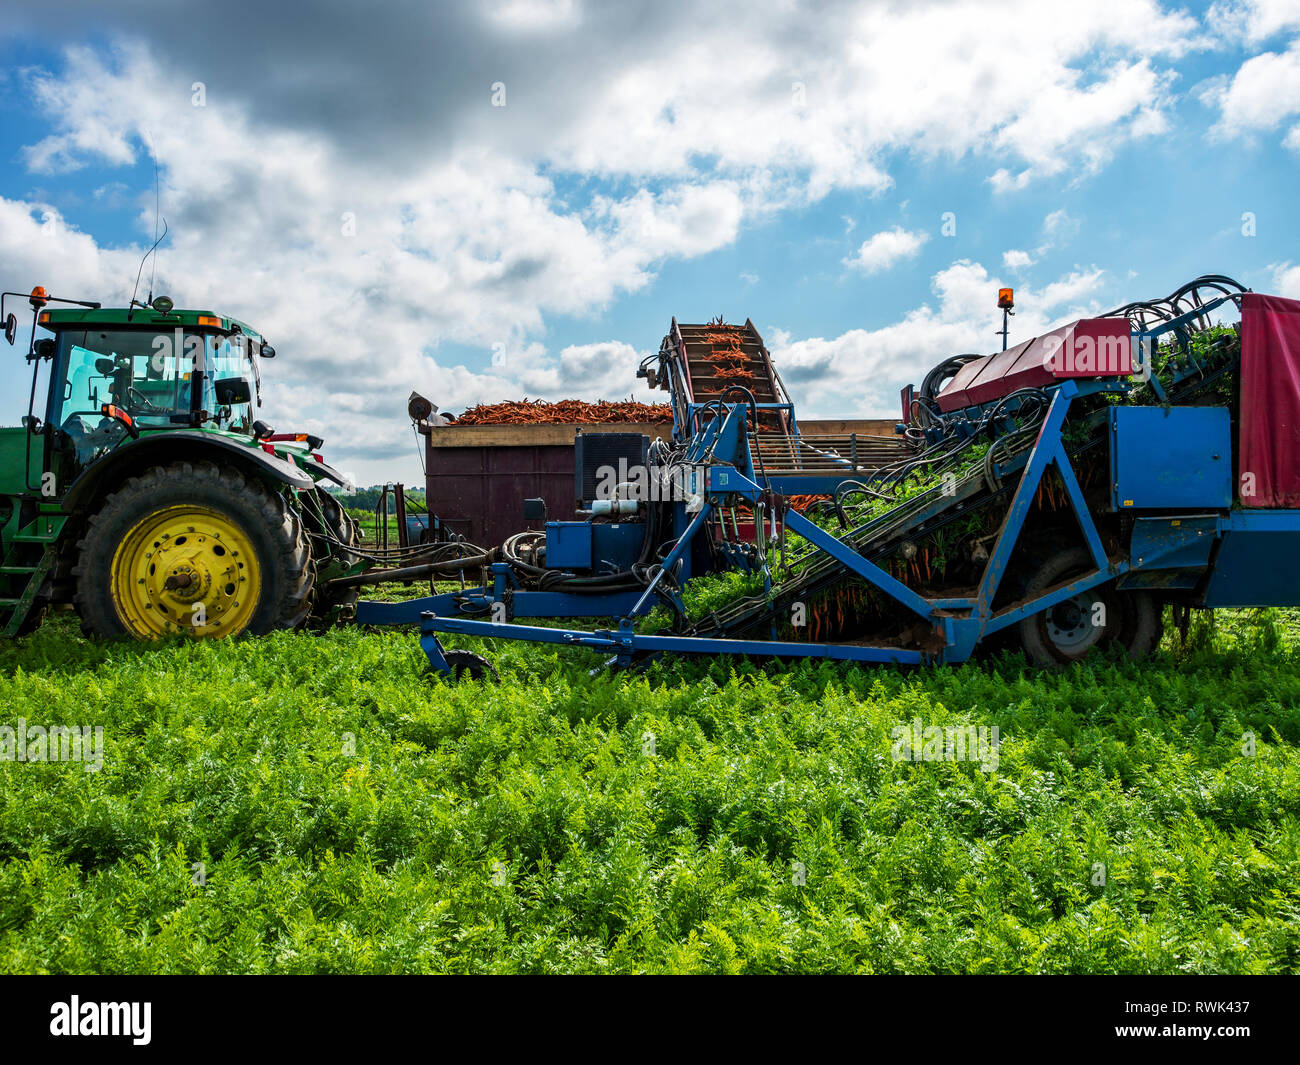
[
  {"x": 11, "y": 328},
  {"x": 232, "y": 390},
  {"x": 105, "y": 367},
  {"x": 267, "y": 351},
  {"x": 44, "y": 348}
]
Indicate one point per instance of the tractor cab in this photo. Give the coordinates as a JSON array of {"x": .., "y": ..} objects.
[
  {"x": 117, "y": 373},
  {"x": 109, "y": 382}
]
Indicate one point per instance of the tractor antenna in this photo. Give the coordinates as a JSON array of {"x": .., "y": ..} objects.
[
  {"x": 141, "y": 271},
  {"x": 157, "y": 211},
  {"x": 157, "y": 239}
]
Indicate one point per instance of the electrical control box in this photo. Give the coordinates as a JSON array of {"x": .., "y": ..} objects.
[
  {"x": 568, "y": 545},
  {"x": 599, "y": 546},
  {"x": 1171, "y": 458}
]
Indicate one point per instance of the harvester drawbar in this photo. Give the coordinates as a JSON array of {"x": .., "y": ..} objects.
[{"x": 1062, "y": 493}]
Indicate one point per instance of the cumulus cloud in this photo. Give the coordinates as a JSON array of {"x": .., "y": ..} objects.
[
  {"x": 886, "y": 248},
  {"x": 1252, "y": 21},
  {"x": 1286, "y": 280},
  {"x": 351, "y": 187},
  {"x": 603, "y": 370},
  {"x": 861, "y": 371},
  {"x": 1263, "y": 95}
]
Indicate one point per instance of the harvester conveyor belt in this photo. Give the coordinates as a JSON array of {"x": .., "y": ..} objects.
[{"x": 910, "y": 519}]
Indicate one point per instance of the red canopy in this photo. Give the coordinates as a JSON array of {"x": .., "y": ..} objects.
[
  {"x": 1268, "y": 453},
  {"x": 1090, "y": 347}
]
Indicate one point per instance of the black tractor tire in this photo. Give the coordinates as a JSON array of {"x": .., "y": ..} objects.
[
  {"x": 338, "y": 529},
  {"x": 278, "y": 537},
  {"x": 1067, "y": 632},
  {"x": 468, "y": 665},
  {"x": 1141, "y": 623}
]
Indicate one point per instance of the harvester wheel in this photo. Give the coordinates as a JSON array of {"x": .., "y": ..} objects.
[
  {"x": 1141, "y": 623},
  {"x": 1066, "y": 632},
  {"x": 1100, "y": 617},
  {"x": 468, "y": 664},
  {"x": 193, "y": 548}
]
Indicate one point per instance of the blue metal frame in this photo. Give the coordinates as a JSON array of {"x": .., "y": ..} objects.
[
  {"x": 624, "y": 642},
  {"x": 961, "y": 622}
]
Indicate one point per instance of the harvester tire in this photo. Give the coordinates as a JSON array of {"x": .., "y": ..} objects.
[
  {"x": 1141, "y": 624},
  {"x": 195, "y": 548},
  {"x": 1066, "y": 632}
]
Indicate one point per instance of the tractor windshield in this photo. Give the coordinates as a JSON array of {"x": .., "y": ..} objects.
[
  {"x": 227, "y": 360},
  {"x": 136, "y": 370},
  {"x": 151, "y": 376}
]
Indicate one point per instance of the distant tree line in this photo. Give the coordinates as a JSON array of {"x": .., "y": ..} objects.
[{"x": 368, "y": 498}]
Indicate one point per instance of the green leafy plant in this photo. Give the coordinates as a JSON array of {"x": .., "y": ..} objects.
[{"x": 351, "y": 814}]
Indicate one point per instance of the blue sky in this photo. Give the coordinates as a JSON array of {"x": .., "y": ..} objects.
[{"x": 790, "y": 166}]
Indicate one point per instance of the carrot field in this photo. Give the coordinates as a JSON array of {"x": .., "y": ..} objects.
[{"x": 318, "y": 803}]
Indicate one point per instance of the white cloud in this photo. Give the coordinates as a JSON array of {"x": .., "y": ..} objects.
[
  {"x": 1015, "y": 259},
  {"x": 1263, "y": 95},
  {"x": 1286, "y": 280},
  {"x": 886, "y": 248},
  {"x": 604, "y": 370},
  {"x": 1064, "y": 129},
  {"x": 1070, "y": 291},
  {"x": 687, "y": 221},
  {"x": 861, "y": 371},
  {"x": 1060, "y": 227},
  {"x": 1252, "y": 20}
]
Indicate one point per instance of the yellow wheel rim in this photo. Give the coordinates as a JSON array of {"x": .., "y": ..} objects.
[{"x": 185, "y": 569}]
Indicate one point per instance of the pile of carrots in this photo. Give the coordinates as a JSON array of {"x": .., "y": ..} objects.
[
  {"x": 802, "y": 503},
  {"x": 564, "y": 411},
  {"x": 727, "y": 353}
]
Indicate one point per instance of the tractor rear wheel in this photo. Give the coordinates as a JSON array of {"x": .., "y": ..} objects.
[
  {"x": 1101, "y": 616},
  {"x": 193, "y": 548}
]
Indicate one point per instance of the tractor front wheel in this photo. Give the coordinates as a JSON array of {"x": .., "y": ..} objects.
[{"x": 193, "y": 548}]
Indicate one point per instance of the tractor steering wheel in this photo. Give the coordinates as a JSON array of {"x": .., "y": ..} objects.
[{"x": 141, "y": 402}]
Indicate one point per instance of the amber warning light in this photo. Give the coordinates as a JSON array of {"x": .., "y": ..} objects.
[{"x": 1006, "y": 298}]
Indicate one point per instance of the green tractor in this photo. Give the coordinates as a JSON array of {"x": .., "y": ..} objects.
[{"x": 145, "y": 493}]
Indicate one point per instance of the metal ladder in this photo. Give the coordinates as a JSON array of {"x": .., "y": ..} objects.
[{"x": 14, "y": 609}]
